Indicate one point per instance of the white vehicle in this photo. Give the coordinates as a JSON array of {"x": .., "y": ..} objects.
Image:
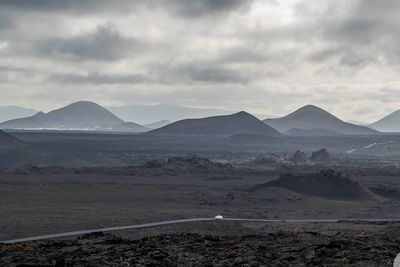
[{"x": 219, "y": 217}]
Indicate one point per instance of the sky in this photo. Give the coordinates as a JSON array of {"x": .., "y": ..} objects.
[{"x": 262, "y": 56}]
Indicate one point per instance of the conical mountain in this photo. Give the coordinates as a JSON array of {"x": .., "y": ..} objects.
[
  {"x": 312, "y": 118},
  {"x": 78, "y": 115},
  {"x": 390, "y": 123},
  {"x": 226, "y": 125}
]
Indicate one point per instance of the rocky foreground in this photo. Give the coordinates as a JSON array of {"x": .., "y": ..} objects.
[{"x": 276, "y": 249}]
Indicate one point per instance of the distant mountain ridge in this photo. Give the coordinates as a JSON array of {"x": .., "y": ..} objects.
[
  {"x": 146, "y": 114},
  {"x": 129, "y": 127},
  {"x": 389, "y": 123},
  {"x": 14, "y": 112},
  {"x": 314, "y": 118},
  {"x": 78, "y": 115},
  {"x": 226, "y": 125},
  {"x": 157, "y": 124}
]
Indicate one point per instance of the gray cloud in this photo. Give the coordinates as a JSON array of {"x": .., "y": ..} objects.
[
  {"x": 209, "y": 73},
  {"x": 6, "y": 21},
  {"x": 368, "y": 20},
  {"x": 235, "y": 54},
  {"x": 194, "y": 72},
  {"x": 204, "y": 7},
  {"x": 100, "y": 78},
  {"x": 70, "y": 6},
  {"x": 365, "y": 35},
  {"x": 105, "y": 43},
  {"x": 182, "y": 7}
]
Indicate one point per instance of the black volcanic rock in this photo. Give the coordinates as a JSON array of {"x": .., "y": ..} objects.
[
  {"x": 238, "y": 123},
  {"x": 289, "y": 248},
  {"x": 326, "y": 184},
  {"x": 189, "y": 164},
  {"x": 299, "y": 157},
  {"x": 321, "y": 156},
  {"x": 79, "y": 115},
  {"x": 318, "y": 122}
]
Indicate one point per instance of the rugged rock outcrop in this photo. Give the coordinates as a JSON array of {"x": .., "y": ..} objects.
[
  {"x": 276, "y": 249},
  {"x": 321, "y": 155},
  {"x": 325, "y": 184},
  {"x": 299, "y": 157}
]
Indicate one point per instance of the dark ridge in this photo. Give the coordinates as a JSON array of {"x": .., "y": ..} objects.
[
  {"x": 325, "y": 184},
  {"x": 226, "y": 125}
]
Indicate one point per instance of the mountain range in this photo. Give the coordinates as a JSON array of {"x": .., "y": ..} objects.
[
  {"x": 78, "y": 115},
  {"x": 313, "y": 119},
  {"x": 225, "y": 125},
  {"x": 85, "y": 115}
]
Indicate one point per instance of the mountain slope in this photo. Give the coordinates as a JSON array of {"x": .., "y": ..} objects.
[
  {"x": 150, "y": 113},
  {"x": 238, "y": 123},
  {"x": 14, "y": 112},
  {"x": 145, "y": 114},
  {"x": 78, "y": 115},
  {"x": 311, "y": 117},
  {"x": 158, "y": 124},
  {"x": 8, "y": 141},
  {"x": 129, "y": 127},
  {"x": 390, "y": 123},
  {"x": 312, "y": 132}
]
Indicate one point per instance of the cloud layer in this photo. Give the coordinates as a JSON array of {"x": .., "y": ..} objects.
[{"x": 262, "y": 56}]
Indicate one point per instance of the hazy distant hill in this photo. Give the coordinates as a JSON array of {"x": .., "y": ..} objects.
[
  {"x": 390, "y": 123},
  {"x": 145, "y": 114},
  {"x": 79, "y": 115},
  {"x": 312, "y": 132},
  {"x": 238, "y": 123},
  {"x": 158, "y": 124},
  {"x": 129, "y": 127},
  {"x": 312, "y": 117},
  {"x": 15, "y": 112}
]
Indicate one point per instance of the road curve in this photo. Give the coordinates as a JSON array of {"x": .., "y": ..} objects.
[{"x": 155, "y": 224}]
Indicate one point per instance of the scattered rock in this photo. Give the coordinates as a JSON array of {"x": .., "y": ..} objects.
[
  {"x": 321, "y": 156},
  {"x": 277, "y": 249},
  {"x": 299, "y": 157}
]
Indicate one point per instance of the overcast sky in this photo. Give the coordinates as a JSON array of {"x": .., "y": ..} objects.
[{"x": 263, "y": 56}]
